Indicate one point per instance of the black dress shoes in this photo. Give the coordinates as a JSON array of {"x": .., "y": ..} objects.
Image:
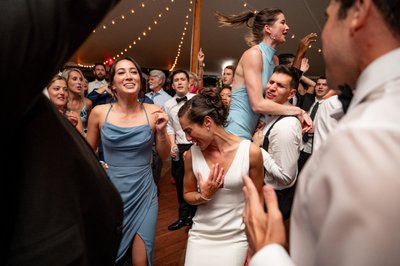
[
  {"x": 177, "y": 225},
  {"x": 188, "y": 221},
  {"x": 180, "y": 223}
]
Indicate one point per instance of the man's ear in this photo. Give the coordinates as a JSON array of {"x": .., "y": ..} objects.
[
  {"x": 359, "y": 14},
  {"x": 292, "y": 93}
]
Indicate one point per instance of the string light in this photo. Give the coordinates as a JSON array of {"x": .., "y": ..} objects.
[
  {"x": 117, "y": 18},
  {"x": 86, "y": 66},
  {"x": 143, "y": 33},
  {"x": 182, "y": 37}
]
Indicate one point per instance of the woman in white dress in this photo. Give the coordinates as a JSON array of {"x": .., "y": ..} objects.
[{"x": 214, "y": 167}]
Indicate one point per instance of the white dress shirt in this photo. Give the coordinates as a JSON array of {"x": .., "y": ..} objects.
[
  {"x": 327, "y": 118},
  {"x": 280, "y": 162},
  {"x": 95, "y": 84},
  {"x": 173, "y": 125},
  {"x": 308, "y": 146},
  {"x": 346, "y": 210}
]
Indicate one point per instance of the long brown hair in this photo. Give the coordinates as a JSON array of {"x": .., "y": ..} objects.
[{"x": 256, "y": 21}]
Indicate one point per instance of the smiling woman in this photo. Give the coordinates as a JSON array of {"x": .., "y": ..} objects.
[
  {"x": 127, "y": 129},
  {"x": 58, "y": 95},
  {"x": 216, "y": 164}
]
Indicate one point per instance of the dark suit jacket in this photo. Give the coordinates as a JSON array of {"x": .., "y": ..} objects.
[
  {"x": 58, "y": 205},
  {"x": 307, "y": 101}
]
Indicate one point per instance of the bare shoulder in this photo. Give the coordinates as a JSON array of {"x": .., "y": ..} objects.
[
  {"x": 100, "y": 110},
  {"x": 252, "y": 52},
  {"x": 252, "y": 57},
  {"x": 151, "y": 107},
  {"x": 88, "y": 103}
]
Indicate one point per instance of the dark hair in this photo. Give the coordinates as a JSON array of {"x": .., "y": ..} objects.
[
  {"x": 177, "y": 71},
  {"x": 284, "y": 59},
  {"x": 267, "y": 16},
  {"x": 389, "y": 9},
  {"x": 142, "y": 81},
  {"x": 231, "y": 67},
  {"x": 206, "y": 103},
  {"x": 226, "y": 86},
  {"x": 321, "y": 77},
  {"x": 290, "y": 71},
  {"x": 99, "y": 64}
]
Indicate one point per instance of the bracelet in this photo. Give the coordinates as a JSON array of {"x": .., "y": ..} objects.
[{"x": 204, "y": 198}]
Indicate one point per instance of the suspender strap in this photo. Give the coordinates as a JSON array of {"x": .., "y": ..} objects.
[{"x": 266, "y": 138}]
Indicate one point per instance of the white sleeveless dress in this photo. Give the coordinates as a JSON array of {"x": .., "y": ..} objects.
[{"x": 217, "y": 236}]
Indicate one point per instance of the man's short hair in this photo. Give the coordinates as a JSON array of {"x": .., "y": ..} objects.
[
  {"x": 290, "y": 71},
  {"x": 99, "y": 64},
  {"x": 285, "y": 58}
]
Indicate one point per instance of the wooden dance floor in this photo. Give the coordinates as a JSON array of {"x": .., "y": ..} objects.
[{"x": 170, "y": 246}]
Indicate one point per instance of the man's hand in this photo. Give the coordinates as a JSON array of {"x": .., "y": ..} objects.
[{"x": 262, "y": 228}]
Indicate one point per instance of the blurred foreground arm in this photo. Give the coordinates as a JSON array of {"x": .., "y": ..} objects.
[{"x": 265, "y": 231}]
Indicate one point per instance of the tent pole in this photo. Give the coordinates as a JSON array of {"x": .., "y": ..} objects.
[{"x": 195, "y": 37}]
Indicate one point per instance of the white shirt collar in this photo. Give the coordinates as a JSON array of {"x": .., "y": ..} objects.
[{"x": 381, "y": 70}]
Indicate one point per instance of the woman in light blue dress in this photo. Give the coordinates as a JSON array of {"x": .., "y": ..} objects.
[
  {"x": 255, "y": 67},
  {"x": 127, "y": 129}
]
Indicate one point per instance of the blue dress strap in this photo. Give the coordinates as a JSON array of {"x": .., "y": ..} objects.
[
  {"x": 147, "y": 117},
  {"x": 111, "y": 105}
]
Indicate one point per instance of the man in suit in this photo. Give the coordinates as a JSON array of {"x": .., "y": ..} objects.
[
  {"x": 346, "y": 202},
  {"x": 58, "y": 204}
]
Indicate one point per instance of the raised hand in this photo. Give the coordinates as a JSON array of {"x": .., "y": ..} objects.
[
  {"x": 304, "y": 65},
  {"x": 304, "y": 45},
  {"x": 201, "y": 56},
  {"x": 161, "y": 120}
]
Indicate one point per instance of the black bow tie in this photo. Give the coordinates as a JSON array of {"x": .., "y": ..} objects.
[
  {"x": 345, "y": 96},
  {"x": 184, "y": 98}
]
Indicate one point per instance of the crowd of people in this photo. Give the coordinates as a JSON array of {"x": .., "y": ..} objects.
[{"x": 270, "y": 166}]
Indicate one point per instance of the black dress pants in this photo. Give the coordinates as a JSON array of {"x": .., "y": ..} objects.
[{"x": 178, "y": 172}]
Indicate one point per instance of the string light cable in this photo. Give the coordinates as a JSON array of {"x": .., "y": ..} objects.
[
  {"x": 183, "y": 35},
  {"x": 143, "y": 33}
]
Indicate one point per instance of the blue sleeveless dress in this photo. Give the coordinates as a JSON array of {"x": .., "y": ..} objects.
[
  {"x": 242, "y": 121},
  {"x": 128, "y": 153}
]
